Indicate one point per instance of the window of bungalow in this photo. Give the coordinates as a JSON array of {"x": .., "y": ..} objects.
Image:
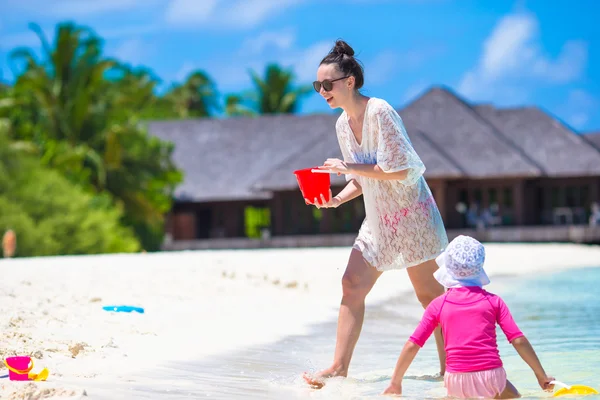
[
  {"x": 586, "y": 201},
  {"x": 571, "y": 196},
  {"x": 507, "y": 206},
  {"x": 555, "y": 195},
  {"x": 478, "y": 197},
  {"x": 463, "y": 196},
  {"x": 508, "y": 198},
  {"x": 492, "y": 196},
  {"x": 585, "y": 197}
]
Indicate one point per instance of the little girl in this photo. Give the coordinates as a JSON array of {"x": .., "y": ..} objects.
[{"x": 468, "y": 316}]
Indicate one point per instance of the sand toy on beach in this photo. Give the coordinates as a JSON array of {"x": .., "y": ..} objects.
[
  {"x": 123, "y": 308},
  {"x": 19, "y": 369},
  {"x": 572, "y": 389}
]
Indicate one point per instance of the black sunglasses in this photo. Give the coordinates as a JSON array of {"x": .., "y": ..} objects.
[{"x": 327, "y": 84}]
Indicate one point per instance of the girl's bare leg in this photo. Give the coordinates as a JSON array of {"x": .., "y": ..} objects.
[
  {"x": 428, "y": 288},
  {"x": 510, "y": 392},
  {"x": 357, "y": 282}
]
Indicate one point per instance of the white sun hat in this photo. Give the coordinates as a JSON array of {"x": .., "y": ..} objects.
[{"x": 461, "y": 264}]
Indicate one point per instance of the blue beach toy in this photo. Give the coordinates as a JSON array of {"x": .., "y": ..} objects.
[{"x": 127, "y": 309}]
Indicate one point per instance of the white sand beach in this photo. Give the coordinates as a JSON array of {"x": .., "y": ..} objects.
[{"x": 197, "y": 304}]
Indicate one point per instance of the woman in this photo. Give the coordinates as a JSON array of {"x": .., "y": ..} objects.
[{"x": 403, "y": 228}]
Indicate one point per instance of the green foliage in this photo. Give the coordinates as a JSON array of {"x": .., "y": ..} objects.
[
  {"x": 235, "y": 106},
  {"x": 87, "y": 126},
  {"x": 275, "y": 93},
  {"x": 51, "y": 215},
  {"x": 90, "y": 174},
  {"x": 196, "y": 97}
]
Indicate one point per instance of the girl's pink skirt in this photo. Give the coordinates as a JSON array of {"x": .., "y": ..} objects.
[{"x": 480, "y": 384}]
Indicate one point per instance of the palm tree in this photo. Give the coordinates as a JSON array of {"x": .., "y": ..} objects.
[
  {"x": 65, "y": 88},
  {"x": 86, "y": 110},
  {"x": 275, "y": 93},
  {"x": 196, "y": 97},
  {"x": 234, "y": 106},
  {"x": 133, "y": 90}
]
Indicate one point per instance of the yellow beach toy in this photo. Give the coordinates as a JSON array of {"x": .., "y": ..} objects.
[
  {"x": 21, "y": 367},
  {"x": 572, "y": 389}
]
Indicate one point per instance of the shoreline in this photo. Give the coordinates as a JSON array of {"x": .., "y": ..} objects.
[{"x": 197, "y": 304}]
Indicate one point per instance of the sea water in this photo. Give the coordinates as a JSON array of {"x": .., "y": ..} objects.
[{"x": 559, "y": 313}]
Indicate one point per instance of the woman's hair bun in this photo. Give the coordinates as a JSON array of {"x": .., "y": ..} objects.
[
  {"x": 341, "y": 47},
  {"x": 342, "y": 56}
]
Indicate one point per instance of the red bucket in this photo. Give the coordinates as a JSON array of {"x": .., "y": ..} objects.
[
  {"x": 313, "y": 184},
  {"x": 18, "y": 367}
]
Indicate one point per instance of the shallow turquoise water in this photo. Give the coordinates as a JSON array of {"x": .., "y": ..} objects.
[{"x": 559, "y": 313}]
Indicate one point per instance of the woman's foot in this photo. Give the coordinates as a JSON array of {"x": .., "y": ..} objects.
[{"x": 317, "y": 381}]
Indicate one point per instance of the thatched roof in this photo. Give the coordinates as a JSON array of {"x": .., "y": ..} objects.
[
  {"x": 554, "y": 147},
  {"x": 246, "y": 158},
  {"x": 281, "y": 176},
  {"x": 472, "y": 142},
  {"x": 593, "y": 139},
  {"x": 438, "y": 164},
  {"x": 222, "y": 158}
]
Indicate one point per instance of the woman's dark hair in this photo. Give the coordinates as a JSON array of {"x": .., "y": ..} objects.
[{"x": 342, "y": 55}]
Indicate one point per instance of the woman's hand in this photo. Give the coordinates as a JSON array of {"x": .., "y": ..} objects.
[
  {"x": 322, "y": 203},
  {"x": 335, "y": 165}
]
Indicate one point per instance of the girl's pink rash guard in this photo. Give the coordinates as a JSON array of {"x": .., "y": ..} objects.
[{"x": 468, "y": 316}]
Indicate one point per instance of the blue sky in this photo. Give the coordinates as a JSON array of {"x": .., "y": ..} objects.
[{"x": 533, "y": 52}]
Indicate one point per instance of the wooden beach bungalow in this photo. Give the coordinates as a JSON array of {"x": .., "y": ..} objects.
[{"x": 487, "y": 167}]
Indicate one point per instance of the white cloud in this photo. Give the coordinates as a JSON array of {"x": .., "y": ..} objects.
[
  {"x": 127, "y": 31},
  {"x": 513, "y": 54},
  {"x": 417, "y": 57},
  {"x": 224, "y": 14},
  {"x": 569, "y": 65},
  {"x": 76, "y": 8},
  {"x": 28, "y": 38},
  {"x": 508, "y": 46},
  {"x": 305, "y": 62},
  {"x": 280, "y": 47},
  {"x": 394, "y": 1},
  {"x": 252, "y": 12},
  {"x": 381, "y": 68},
  {"x": 280, "y": 40},
  {"x": 388, "y": 63},
  {"x": 190, "y": 11},
  {"x": 233, "y": 75},
  {"x": 133, "y": 51}
]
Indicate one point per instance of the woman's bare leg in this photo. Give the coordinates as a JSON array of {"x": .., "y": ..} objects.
[
  {"x": 428, "y": 288},
  {"x": 509, "y": 392},
  {"x": 357, "y": 282}
]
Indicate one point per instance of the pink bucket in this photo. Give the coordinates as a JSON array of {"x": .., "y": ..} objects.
[{"x": 18, "y": 367}]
